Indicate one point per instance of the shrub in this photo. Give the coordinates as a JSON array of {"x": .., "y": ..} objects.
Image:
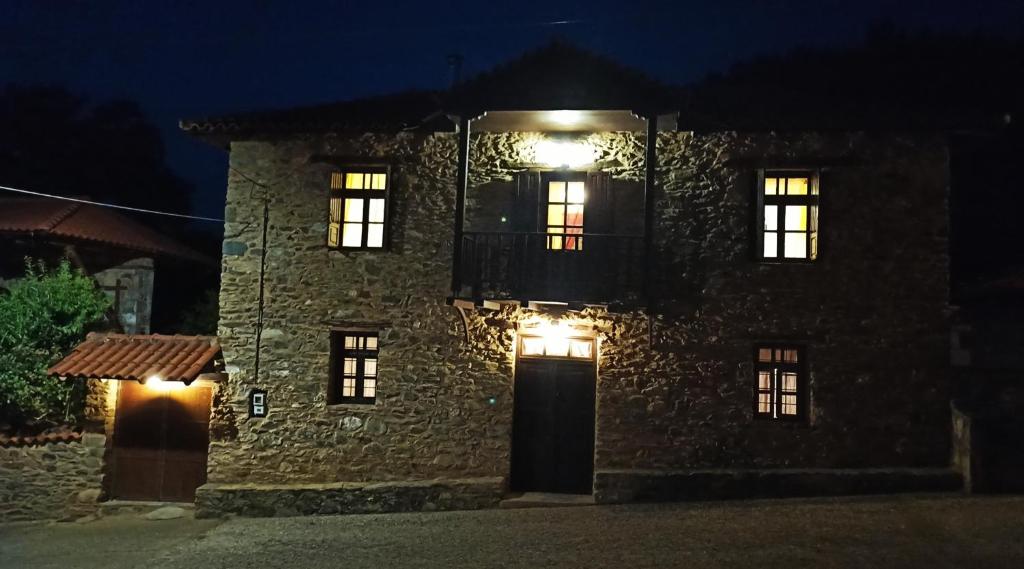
[{"x": 42, "y": 317}]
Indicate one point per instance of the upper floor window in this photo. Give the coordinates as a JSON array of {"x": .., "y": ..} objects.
[
  {"x": 779, "y": 376},
  {"x": 358, "y": 213},
  {"x": 788, "y": 216},
  {"x": 353, "y": 368},
  {"x": 564, "y": 224}
]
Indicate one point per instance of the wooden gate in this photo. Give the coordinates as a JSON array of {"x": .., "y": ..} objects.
[{"x": 161, "y": 435}]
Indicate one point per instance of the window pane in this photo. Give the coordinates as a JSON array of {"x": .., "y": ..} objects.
[
  {"x": 771, "y": 217},
  {"x": 789, "y": 356},
  {"x": 375, "y": 235},
  {"x": 764, "y": 403},
  {"x": 556, "y": 192},
  {"x": 353, "y": 181},
  {"x": 764, "y": 355},
  {"x": 771, "y": 244},
  {"x": 789, "y": 381},
  {"x": 764, "y": 380},
  {"x": 796, "y": 217},
  {"x": 350, "y": 342},
  {"x": 556, "y": 214},
  {"x": 796, "y": 245},
  {"x": 789, "y": 404},
  {"x": 379, "y": 181},
  {"x": 769, "y": 186},
  {"x": 581, "y": 349},
  {"x": 533, "y": 346},
  {"x": 370, "y": 367},
  {"x": 555, "y": 241},
  {"x": 350, "y": 366},
  {"x": 369, "y": 388},
  {"x": 348, "y": 387},
  {"x": 336, "y": 178},
  {"x": 352, "y": 235},
  {"x": 557, "y": 347},
  {"x": 377, "y": 211},
  {"x": 574, "y": 215},
  {"x": 796, "y": 186},
  {"x": 575, "y": 194},
  {"x": 354, "y": 209},
  {"x": 371, "y": 342},
  {"x": 333, "y": 234}
]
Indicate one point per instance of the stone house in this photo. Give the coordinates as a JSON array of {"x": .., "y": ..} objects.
[{"x": 547, "y": 280}]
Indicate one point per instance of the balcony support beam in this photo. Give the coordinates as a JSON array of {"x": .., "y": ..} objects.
[
  {"x": 650, "y": 167},
  {"x": 461, "y": 181}
]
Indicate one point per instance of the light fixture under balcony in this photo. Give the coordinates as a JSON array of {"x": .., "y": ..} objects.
[{"x": 564, "y": 154}]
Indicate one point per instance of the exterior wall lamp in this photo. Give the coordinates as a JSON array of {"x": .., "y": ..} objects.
[{"x": 564, "y": 154}]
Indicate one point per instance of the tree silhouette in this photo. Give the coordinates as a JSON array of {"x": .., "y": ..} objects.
[{"x": 56, "y": 142}]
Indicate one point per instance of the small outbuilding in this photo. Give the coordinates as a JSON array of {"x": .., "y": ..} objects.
[{"x": 151, "y": 394}]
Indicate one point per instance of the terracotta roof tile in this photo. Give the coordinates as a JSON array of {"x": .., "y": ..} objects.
[
  {"x": 137, "y": 357},
  {"x": 71, "y": 220},
  {"x": 45, "y": 438}
]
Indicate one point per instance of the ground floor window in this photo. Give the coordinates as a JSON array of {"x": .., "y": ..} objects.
[
  {"x": 779, "y": 378},
  {"x": 353, "y": 368}
]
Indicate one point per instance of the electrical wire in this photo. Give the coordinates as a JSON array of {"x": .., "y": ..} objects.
[{"x": 110, "y": 205}]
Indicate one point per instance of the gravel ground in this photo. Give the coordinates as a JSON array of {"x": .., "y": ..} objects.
[{"x": 930, "y": 531}]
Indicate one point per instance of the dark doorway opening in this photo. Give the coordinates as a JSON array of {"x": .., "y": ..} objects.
[
  {"x": 553, "y": 426},
  {"x": 161, "y": 435}
]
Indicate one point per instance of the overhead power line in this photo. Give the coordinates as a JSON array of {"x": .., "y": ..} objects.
[{"x": 114, "y": 206}]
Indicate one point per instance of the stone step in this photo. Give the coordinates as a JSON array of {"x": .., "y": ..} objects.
[
  {"x": 546, "y": 500},
  {"x": 142, "y": 508}
]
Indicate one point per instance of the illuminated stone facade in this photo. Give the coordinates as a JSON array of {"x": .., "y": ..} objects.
[{"x": 674, "y": 389}]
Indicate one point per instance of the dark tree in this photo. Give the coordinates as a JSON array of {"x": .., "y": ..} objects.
[{"x": 56, "y": 142}]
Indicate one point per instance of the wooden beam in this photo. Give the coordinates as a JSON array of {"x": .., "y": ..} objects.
[{"x": 461, "y": 181}]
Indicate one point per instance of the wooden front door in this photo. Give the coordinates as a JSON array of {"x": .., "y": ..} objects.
[
  {"x": 553, "y": 426},
  {"x": 160, "y": 442}
]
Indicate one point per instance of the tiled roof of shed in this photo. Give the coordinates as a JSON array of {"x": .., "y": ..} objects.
[
  {"x": 42, "y": 439},
  {"x": 556, "y": 76},
  {"x": 138, "y": 357},
  {"x": 85, "y": 222}
]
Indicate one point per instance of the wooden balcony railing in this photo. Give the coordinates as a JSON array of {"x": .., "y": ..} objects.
[{"x": 587, "y": 268}]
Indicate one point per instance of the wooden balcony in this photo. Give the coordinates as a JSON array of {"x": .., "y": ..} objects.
[{"x": 545, "y": 267}]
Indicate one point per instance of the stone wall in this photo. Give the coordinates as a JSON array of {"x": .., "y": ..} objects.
[
  {"x": 51, "y": 481},
  {"x": 674, "y": 388},
  {"x": 130, "y": 288}
]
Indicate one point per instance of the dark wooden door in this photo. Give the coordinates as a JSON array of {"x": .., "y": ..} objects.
[
  {"x": 553, "y": 427},
  {"x": 160, "y": 442}
]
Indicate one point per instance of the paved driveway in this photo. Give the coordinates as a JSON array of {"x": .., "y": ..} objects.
[{"x": 933, "y": 531}]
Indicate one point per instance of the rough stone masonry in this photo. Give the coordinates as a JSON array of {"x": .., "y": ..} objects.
[{"x": 674, "y": 388}]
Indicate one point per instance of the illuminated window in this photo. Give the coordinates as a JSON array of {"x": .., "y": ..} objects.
[
  {"x": 358, "y": 211},
  {"x": 555, "y": 346},
  {"x": 565, "y": 215},
  {"x": 353, "y": 368},
  {"x": 779, "y": 382},
  {"x": 788, "y": 216}
]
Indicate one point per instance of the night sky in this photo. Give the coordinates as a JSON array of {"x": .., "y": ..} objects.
[{"x": 195, "y": 58}]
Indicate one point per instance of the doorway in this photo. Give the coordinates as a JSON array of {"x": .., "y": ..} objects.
[
  {"x": 553, "y": 419},
  {"x": 161, "y": 435}
]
